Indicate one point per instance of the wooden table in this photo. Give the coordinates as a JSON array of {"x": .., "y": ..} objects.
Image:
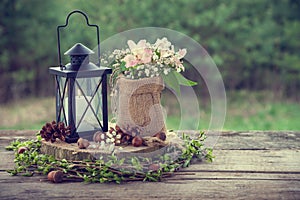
[{"x": 248, "y": 165}]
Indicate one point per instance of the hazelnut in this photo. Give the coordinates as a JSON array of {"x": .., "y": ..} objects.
[
  {"x": 55, "y": 176},
  {"x": 97, "y": 136},
  {"x": 154, "y": 167},
  {"x": 83, "y": 143},
  {"x": 22, "y": 150},
  {"x": 160, "y": 135},
  {"x": 137, "y": 141}
]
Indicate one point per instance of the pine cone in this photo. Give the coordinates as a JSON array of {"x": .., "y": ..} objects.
[
  {"x": 118, "y": 136},
  {"x": 53, "y": 130}
]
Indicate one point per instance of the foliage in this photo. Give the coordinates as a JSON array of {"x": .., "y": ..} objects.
[
  {"x": 116, "y": 170},
  {"x": 254, "y": 43}
]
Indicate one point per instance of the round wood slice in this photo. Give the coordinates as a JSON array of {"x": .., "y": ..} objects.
[{"x": 62, "y": 150}]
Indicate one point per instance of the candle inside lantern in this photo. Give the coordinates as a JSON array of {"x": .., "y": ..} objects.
[{"x": 81, "y": 105}]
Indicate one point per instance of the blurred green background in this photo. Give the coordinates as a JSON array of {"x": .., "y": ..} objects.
[{"x": 254, "y": 43}]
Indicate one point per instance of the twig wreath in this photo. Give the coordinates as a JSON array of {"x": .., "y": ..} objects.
[{"x": 29, "y": 161}]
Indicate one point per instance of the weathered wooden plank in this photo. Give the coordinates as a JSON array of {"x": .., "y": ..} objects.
[
  {"x": 225, "y": 140},
  {"x": 233, "y": 175},
  {"x": 6, "y": 160},
  {"x": 255, "y": 165},
  {"x": 258, "y": 140},
  {"x": 253, "y": 160},
  {"x": 173, "y": 189}
]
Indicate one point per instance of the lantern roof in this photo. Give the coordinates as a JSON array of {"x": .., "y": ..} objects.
[{"x": 79, "y": 49}]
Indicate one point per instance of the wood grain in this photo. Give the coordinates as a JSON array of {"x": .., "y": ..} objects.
[{"x": 248, "y": 165}]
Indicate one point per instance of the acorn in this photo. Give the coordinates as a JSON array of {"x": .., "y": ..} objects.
[
  {"x": 137, "y": 141},
  {"x": 55, "y": 176},
  {"x": 22, "y": 150},
  {"x": 161, "y": 135},
  {"x": 83, "y": 143}
]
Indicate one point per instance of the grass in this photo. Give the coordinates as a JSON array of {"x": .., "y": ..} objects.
[{"x": 245, "y": 111}]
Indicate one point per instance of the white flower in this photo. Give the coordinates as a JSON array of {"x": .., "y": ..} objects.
[
  {"x": 107, "y": 140},
  {"x": 116, "y": 51},
  {"x": 162, "y": 44},
  {"x": 109, "y": 135},
  {"x": 140, "y": 73},
  {"x": 102, "y": 136},
  {"x": 167, "y": 62},
  {"x": 112, "y": 140},
  {"x": 155, "y": 69},
  {"x": 166, "y": 71},
  {"x": 155, "y": 57},
  {"x": 165, "y": 53},
  {"x": 118, "y": 136},
  {"x": 130, "y": 60},
  {"x": 147, "y": 72},
  {"x": 181, "y": 53}
]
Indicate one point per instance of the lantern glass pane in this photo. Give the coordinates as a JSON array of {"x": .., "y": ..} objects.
[
  {"x": 88, "y": 104},
  {"x": 61, "y": 94}
]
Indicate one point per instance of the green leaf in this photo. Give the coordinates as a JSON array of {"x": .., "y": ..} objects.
[
  {"x": 172, "y": 82},
  {"x": 182, "y": 80},
  {"x": 175, "y": 79}
]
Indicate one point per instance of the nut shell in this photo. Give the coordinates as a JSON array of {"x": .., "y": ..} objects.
[
  {"x": 58, "y": 176},
  {"x": 83, "y": 143},
  {"x": 161, "y": 135},
  {"x": 55, "y": 176},
  {"x": 22, "y": 150},
  {"x": 50, "y": 176},
  {"x": 137, "y": 141},
  {"x": 97, "y": 136}
]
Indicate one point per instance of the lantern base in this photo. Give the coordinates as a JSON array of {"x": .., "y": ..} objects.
[{"x": 71, "y": 139}]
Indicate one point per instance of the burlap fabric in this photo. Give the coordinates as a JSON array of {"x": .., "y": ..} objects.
[{"x": 137, "y": 105}]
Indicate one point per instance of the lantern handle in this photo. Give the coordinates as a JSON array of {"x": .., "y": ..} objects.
[{"x": 66, "y": 24}]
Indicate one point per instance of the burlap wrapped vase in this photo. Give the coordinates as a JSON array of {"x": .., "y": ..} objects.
[{"x": 138, "y": 106}]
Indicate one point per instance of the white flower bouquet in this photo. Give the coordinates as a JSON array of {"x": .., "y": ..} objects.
[{"x": 145, "y": 60}]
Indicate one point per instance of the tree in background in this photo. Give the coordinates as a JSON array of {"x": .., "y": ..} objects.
[{"x": 254, "y": 43}]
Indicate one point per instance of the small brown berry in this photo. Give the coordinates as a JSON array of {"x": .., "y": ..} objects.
[
  {"x": 137, "y": 141},
  {"x": 22, "y": 150},
  {"x": 153, "y": 167}
]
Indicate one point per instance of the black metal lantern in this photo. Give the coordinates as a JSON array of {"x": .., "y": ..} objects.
[{"x": 81, "y": 90}]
